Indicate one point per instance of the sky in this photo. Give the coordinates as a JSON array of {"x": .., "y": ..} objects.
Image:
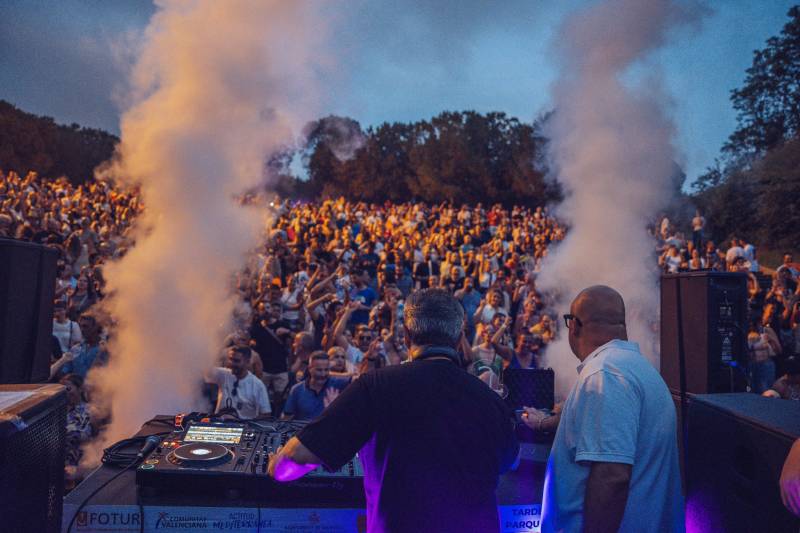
[{"x": 396, "y": 60}]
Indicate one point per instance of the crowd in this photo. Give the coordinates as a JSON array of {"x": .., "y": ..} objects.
[
  {"x": 320, "y": 300},
  {"x": 773, "y": 324}
]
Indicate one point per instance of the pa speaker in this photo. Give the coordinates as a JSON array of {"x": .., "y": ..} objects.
[
  {"x": 27, "y": 288},
  {"x": 737, "y": 444},
  {"x": 32, "y": 434},
  {"x": 704, "y": 332}
]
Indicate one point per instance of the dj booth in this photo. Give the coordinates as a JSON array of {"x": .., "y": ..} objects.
[{"x": 185, "y": 485}]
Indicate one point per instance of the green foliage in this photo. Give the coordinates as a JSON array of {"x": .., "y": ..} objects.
[
  {"x": 457, "y": 156},
  {"x": 768, "y": 105},
  {"x": 756, "y": 193},
  {"x": 759, "y": 202},
  {"x": 29, "y": 142}
]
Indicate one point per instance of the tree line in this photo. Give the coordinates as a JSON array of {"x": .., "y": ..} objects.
[
  {"x": 32, "y": 143},
  {"x": 463, "y": 157},
  {"x": 753, "y": 190}
]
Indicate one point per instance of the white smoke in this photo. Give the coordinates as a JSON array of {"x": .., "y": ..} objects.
[
  {"x": 611, "y": 147},
  {"x": 218, "y": 87}
]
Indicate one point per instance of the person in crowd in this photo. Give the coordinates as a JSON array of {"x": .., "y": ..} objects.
[
  {"x": 698, "y": 225},
  {"x": 82, "y": 297},
  {"x": 363, "y": 336},
  {"x": 65, "y": 330},
  {"x": 363, "y": 295},
  {"x": 470, "y": 300},
  {"x": 310, "y": 397},
  {"x": 761, "y": 343},
  {"x": 488, "y": 307},
  {"x": 302, "y": 347},
  {"x": 400, "y": 418},
  {"x": 526, "y": 352},
  {"x": 670, "y": 260},
  {"x": 734, "y": 252},
  {"x": 789, "y": 265},
  {"x": 340, "y": 366},
  {"x": 269, "y": 337},
  {"x": 79, "y": 426},
  {"x": 81, "y": 357},
  {"x": 787, "y": 387},
  {"x": 697, "y": 262},
  {"x": 614, "y": 461},
  {"x": 239, "y": 391}
]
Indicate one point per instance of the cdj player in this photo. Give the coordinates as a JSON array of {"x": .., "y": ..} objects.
[{"x": 230, "y": 459}]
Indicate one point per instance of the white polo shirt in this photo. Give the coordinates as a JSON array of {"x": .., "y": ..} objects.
[{"x": 619, "y": 411}]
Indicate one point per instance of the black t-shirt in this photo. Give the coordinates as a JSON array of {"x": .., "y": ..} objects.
[
  {"x": 433, "y": 441},
  {"x": 269, "y": 347},
  {"x": 370, "y": 261}
]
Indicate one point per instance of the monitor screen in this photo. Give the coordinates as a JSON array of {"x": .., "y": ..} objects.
[{"x": 218, "y": 434}]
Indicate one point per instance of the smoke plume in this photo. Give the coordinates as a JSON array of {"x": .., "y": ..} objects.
[
  {"x": 611, "y": 149},
  {"x": 218, "y": 87}
]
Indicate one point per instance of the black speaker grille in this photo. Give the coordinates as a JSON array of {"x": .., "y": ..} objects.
[{"x": 30, "y": 460}]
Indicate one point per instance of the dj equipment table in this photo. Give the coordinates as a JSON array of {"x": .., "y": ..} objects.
[{"x": 121, "y": 507}]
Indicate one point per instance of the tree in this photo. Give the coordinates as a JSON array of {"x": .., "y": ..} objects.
[
  {"x": 32, "y": 143},
  {"x": 768, "y": 105},
  {"x": 777, "y": 213}
]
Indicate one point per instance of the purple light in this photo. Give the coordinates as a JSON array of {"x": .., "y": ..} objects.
[{"x": 699, "y": 519}]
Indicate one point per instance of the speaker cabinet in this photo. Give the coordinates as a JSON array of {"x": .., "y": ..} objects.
[
  {"x": 32, "y": 435},
  {"x": 27, "y": 288},
  {"x": 737, "y": 444},
  {"x": 530, "y": 387},
  {"x": 705, "y": 314}
]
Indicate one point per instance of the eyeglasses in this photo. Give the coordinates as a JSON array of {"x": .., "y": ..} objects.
[{"x": 568, "y": 319}]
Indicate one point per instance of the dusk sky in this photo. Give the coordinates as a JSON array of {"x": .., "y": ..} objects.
[{"x": 396, "y": 61}]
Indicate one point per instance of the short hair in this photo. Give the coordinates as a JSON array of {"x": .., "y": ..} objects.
[
  {"x": 75, "y": 379},
  {"x": 433, "y": 317},
  {"x": 318, "y": 355},
  {"x": 242, "y": 350},
  {"x": 306, "y": 340}
]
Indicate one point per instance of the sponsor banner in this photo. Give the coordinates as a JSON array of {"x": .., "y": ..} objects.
[
  {"x": 125, "y": 518},
  {"x": 520, "y": 518},
  {"x": 115, "y": 518}
]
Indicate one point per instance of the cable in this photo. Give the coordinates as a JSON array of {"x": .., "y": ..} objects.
[
  {"x": 95, "y": 491},
  {"x": 115, "y": 456}
]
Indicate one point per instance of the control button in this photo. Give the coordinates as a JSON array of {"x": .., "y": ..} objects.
[
  {"x": 151, "y": 462},
  {"x": 147, "y": 467}
]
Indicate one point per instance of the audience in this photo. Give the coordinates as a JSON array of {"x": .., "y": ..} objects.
[{"x": 320, "y": 299}]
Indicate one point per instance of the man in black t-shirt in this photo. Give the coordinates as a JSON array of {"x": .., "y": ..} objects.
[
  {"x": 269, "y": 332},
  {"x": 432, "y": 438}
]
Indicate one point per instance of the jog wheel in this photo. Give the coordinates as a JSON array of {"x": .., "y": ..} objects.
[{"x": 200, "y": 455}]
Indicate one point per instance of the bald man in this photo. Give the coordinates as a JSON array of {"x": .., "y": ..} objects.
[{"x": 614, "y": 462}]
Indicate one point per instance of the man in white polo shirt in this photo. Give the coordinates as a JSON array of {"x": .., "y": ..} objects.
[{"x": 614, "y": 462}]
